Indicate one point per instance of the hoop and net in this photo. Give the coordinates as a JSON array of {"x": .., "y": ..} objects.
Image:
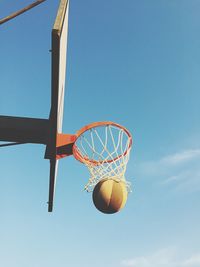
[{"x": 104, "y": 147}]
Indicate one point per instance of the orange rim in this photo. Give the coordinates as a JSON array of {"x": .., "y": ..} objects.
[{"x": 82, "y": 159}]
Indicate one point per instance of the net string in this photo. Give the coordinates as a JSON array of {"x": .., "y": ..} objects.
[{"x": 113, "y": 164}]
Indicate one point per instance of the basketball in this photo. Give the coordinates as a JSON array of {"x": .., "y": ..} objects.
[{"x": 110, "y": 195}]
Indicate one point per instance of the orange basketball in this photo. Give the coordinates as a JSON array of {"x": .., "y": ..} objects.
[{"x": 110, "y": 195}]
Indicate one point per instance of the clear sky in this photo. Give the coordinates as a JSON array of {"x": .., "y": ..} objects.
[{"x": 136, "y": 63}]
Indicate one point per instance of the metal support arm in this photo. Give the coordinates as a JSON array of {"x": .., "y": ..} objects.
[{"x": 24, "y": 130}]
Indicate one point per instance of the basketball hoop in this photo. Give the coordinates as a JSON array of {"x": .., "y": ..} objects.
[{"x": 104, "y": 148}]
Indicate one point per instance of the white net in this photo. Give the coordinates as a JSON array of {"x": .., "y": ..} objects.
[{"x": 105, "y": 151}]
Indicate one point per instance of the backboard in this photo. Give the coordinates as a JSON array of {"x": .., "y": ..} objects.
[{"x": 59, "y": 54}]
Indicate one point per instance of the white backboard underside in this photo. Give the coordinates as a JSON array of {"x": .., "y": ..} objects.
[{"x": 59, "y": 54}]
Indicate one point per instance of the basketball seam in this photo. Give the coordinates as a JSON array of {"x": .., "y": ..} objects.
[{"x": 112, "y": 193}]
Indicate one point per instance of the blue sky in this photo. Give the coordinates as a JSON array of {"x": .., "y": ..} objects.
[{"x": 136, "y": 63}]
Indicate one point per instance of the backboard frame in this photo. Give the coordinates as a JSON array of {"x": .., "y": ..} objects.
[{"x": 58, "y": 73}]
